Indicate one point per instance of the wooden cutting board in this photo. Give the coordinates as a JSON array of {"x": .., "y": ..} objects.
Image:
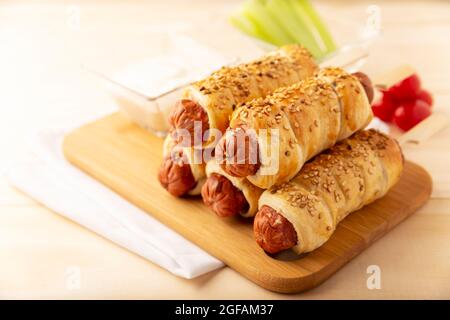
[{"x": 126, "y": 158}]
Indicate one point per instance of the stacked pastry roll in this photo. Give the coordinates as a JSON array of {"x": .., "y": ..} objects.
[
  {"x": 182, "y": 171},
  {"x": 227, "y": 195},
  {"x": 303, "y": 213},
  {"x": 294, "y": 154},
  {"x": 294, "y": 124},
  {"x": 271, "y": 138},
  {"x": 212, "y": 100},
  {"x": 209, "y": 103}
]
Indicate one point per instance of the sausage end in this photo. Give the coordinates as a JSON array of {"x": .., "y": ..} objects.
[
  {"x": 223, "y": 197},
  {"x": 185, "y": 116},
  {"x": 366, "y": 83},
  {"x": 176, "y": 176},
  {"x": 240, "y": 154},
  {"x": 273, "y": 232}
]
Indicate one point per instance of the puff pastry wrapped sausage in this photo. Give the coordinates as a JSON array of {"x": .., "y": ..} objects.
[
  {"x": 209, "y": 104},
  {"x": 294, "y": 124},
  {"x": 303, "y": 213},
  {"x": 227, "y": 195},
  {"x": 211, "y": 101},
  {"x": 182, "y": 171}
]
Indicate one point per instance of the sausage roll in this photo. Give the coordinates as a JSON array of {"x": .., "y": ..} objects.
[
  {"x": 293, "y": 124},
  {"x": 227, "y": 195},
  {"x": 210, "y": 102},
  {"x": 303, "y": 213},
  {"x": 182, "y": 171}
]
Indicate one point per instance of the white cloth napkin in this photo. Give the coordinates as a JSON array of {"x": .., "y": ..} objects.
[{"x": 50, "y": 179}]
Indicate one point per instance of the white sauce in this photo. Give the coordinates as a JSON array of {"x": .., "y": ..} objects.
[{"x": 148, "y": 89}]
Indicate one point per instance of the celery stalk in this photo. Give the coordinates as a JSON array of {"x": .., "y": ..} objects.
[
  {"x": 296, "y": 28},
  {"x": 285, "y": 21},
  {"x": 255, "y": 12},
  {"x": 312, "y": 18},
  {"x": 258, "y": 28},
  {"x": 240, "y": 21}
]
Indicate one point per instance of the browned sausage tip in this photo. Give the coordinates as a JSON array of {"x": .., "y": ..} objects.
[
  {"x": 366, "y": 83},
  {"x": 184, "y": 115},
  {"x": 176, "y": 176},
  {"x": 273, "y": 232},
  {"x": 240, "y": 153},
  {"x": 223, "y": 197}
]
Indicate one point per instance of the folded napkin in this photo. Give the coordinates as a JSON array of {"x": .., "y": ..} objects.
[{"x": 50, "y": 179}]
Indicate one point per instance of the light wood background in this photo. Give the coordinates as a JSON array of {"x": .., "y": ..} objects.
[{"x": 42, "y": 85}]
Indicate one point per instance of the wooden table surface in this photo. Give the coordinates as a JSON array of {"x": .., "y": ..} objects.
[{"x": 43, "y": 44}]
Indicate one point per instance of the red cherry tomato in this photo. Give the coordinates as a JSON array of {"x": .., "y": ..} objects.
[
  {"x": 385, "y": 108},
  {"x": 407, "y": 89},
  {"x": 424, "y": 95},
  {"x": 401, "y": 118},
  {"x": 411, "y": 113},
  {"x": 420, "y": 111}
]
